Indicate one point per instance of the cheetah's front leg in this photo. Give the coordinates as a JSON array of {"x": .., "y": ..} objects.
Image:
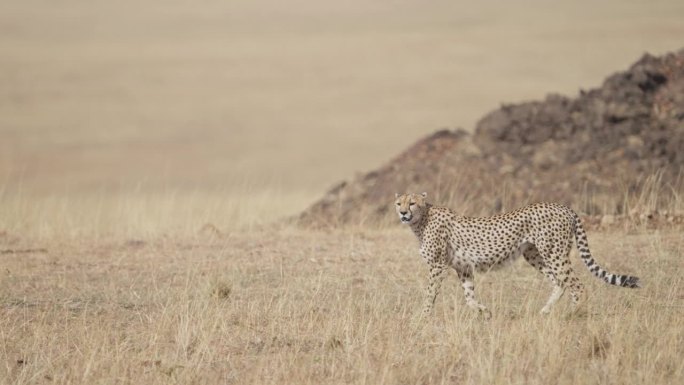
[
  {"x": 437, "y": 273},
  {"x": 466, "y": 277}
]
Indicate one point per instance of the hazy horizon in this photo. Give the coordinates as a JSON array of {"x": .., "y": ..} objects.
[{"x": 294, "y": 96}]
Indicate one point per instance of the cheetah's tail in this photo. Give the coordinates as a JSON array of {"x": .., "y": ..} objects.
[{"x": 593, "y": 266}]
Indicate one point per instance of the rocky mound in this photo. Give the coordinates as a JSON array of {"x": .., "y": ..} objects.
[{"x": 600, "y": 152}]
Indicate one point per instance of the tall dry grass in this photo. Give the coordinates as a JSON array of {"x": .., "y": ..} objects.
[
  {"x": 293, "y": 306},
  {"x": 142, "y": 213},
  {"x": 190, "y": 285},
  {"x": 133, "y": 287}
]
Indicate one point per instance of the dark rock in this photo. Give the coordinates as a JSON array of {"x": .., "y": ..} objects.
[{"x": 579, "y": 151}]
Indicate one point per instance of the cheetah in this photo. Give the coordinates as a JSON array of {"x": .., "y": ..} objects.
[{"x": 542, "y": 233}]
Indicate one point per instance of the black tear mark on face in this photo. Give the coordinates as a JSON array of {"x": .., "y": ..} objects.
[{"x": 409, "y": 206}]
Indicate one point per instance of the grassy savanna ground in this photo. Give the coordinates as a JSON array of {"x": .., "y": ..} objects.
[
  {"x": 288, "y": 306},
  {"x": 126, "y": 127}
]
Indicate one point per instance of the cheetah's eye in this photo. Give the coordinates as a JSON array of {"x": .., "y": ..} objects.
[
  {"x": 412, "y": 204},
  {"x": 398, "y": 204}
]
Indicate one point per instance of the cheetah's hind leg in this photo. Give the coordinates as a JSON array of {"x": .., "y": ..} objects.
[
  {"x": 556, "y": 294},
  {"x": 532, "y": 256}
]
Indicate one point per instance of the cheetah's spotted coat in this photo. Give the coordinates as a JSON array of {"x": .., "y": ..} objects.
[{"x": 542, "y": 233}]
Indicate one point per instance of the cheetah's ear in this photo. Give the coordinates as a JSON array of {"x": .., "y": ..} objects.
[
  {"x": 424, "y": 195},
  {"x": 396, "y": 195}
]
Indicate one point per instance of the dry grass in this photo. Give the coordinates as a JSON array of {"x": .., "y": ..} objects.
[
  {"x": 140, "y": 214},
  {"x": 286, "y": 306},
  {"x": 145, "y": 146},
  {"x": 137, "y": 287}
]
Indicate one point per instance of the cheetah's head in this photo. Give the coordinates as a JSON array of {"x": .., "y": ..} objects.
[{"x": 410, "y": 207}]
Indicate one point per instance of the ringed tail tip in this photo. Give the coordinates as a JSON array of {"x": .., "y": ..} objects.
[{"x": 632, "y": 282}]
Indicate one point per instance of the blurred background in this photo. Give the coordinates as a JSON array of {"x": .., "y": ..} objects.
[{"x": 279, "y": 99}]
